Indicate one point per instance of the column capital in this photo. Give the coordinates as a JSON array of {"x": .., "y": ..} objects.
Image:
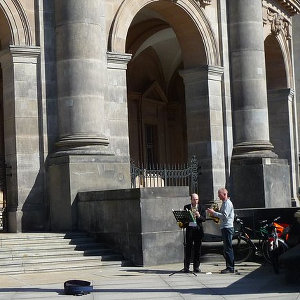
[
  {"x": 118, "y": 60},
  {"x": 17, "y": 54},
  {"x": 205, "y": 72}
]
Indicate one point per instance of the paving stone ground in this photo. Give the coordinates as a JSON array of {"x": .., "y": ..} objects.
[{"x": 251, "y": 281}]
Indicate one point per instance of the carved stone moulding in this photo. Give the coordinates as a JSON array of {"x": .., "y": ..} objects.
[
  {"x": 292, "y": 6},
  {"x": 203, "y": 2},
  {"x": 278, "y": 23},
  {"x": 277, "y": 18}
]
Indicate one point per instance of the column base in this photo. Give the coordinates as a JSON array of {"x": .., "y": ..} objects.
[
  {"x": 82, "y": 144},
  {"x": 253, "y": 149},
  {"x": 260, "y": 182},
  {"x": 69, "y": 174}
]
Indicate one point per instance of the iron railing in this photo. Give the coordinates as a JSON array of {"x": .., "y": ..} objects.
[{"x": 166, "y": 175}]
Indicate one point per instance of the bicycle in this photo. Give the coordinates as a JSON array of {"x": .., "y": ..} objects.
[
  {"x": 269, "y": 245},
  {"x": 275, "y": 245}
]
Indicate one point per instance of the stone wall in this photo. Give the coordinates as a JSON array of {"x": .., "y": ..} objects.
[{"x": 137, "y": 222}]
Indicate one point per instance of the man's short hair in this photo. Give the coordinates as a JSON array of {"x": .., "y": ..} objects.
[
  {"x": 222, "y": 190},
  {"x": 194, "y": 194}
]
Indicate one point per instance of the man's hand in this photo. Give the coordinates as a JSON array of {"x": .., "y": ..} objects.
[
  {"x": 197, "y": 214},
  {"x": 210, "y": 211}
]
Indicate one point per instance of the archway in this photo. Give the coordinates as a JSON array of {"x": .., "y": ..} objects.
[
  {"x": 174, "y": 85},
  {"x": 13, "y": 15},
  {"x": 156, "y": 93},
  {"x": 196, "y": 30},
  {"x": 275, "y": 65},
  {"x": 276, "y": 77}
]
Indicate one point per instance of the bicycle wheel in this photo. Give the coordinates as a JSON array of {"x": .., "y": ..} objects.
[
  {"x": 265, "y": 247},
  {"x": 282, "y": 247},
  {"x": 242, "y": 249},
  {"x": 273, "y": 256}
]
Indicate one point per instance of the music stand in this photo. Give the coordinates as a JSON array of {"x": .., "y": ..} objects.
[{"x": 183, "y": 216}]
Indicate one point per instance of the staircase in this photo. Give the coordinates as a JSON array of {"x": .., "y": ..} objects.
[{"x": 45, "y": 252}]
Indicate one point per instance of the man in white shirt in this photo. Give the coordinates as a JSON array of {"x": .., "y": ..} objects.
[{"x": 226, "y": 216}]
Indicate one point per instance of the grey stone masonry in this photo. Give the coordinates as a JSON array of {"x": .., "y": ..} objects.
[
  {"x": 81, "y": 74},
  {"x": 137, "y": 222},
  {"x": 249, "y": 92},
  {"x": 116, "y": 116},
  {"x": 261, "y": 182},
  {"x": 258, "y": 179},
  {"x": 22, "y": 144},
  {"x": 205, "y": 126}
]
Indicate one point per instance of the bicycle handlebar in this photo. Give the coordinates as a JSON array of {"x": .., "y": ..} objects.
[{"x": 266, "y": 221}]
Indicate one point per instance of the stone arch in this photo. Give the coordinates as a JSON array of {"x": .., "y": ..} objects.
[
  {"x": 276, "y": 63},
  {"x": 17, "y": 21},
  {"x": 129, "y": 8},
  {"x": 287, "y": 57}
]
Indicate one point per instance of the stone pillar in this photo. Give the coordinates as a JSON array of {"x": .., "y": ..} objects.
[
  {"x": 81, "y": 75},
  {"x": 249, "y": 91},
  {"x": 83, "y": 161},
  {"x": 116, "y": 103},
  {"x": 255, "y": 171},
  {"x": 203, "y": 88},
  {"x": 283, "y": 132},
  {"x": 25, "y": 178}
]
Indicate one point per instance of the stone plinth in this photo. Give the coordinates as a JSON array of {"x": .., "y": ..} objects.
[
  {"x": 137, "y": 222},
  {"x": 67, "y": 175},
  {"x": 261, "y": 182}
]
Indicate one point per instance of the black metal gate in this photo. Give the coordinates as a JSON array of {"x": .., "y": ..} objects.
[{"x": 166, "y": 175}]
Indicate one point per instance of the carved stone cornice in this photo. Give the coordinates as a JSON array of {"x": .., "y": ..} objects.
[
  {"x": 203, "y": 2},
  {"x": 292, "y": 6}
]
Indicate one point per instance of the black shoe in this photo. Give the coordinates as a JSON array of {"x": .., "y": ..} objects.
[
  {"x": 197, "y": 270},
  {"x": 227, "y": 270},
  {"x": 186, "y": 270}
]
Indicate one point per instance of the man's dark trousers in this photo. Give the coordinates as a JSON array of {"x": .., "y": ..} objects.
[
  {"x": 193, "y": 238},
  {"x": 227, "y": 234}
]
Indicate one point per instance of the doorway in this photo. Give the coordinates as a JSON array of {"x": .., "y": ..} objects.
[{"x": 156, "y": 96}]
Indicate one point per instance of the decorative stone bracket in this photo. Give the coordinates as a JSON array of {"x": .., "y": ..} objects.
[
  {"x": 203, "y": 2},
  {"x": 278, "y": 22}
]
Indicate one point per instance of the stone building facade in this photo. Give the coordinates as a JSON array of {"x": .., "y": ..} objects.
[{"x": 87, "y": 85}]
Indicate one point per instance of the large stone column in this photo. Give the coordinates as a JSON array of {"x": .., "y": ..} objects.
[
  {"x": 249, "y": 91},
  {"x": 258, "y": 178},
  {"x": 81, "y": 74},
  {"x": 82, "y": 161}
]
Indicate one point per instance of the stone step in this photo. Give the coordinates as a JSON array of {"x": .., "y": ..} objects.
[
  {"x": 56, "y": 240},
  {"x": 25, "y": 247},
  {"x": 58, "y": 259},
  {"x": 45, "y": 252},
  {"x": 54, "y": 252},
  {"x": 79, "y": 265},
  {"x": 40, "y": 235}
]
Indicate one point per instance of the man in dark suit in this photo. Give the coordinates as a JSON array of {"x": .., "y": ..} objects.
[{"x": 194, "y": 234}]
